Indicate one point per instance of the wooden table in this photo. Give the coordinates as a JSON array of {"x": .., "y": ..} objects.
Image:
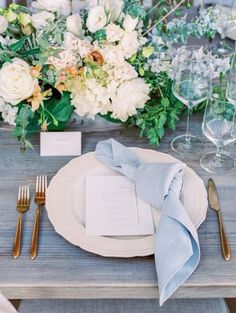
[{"x": 65, "y": 271}]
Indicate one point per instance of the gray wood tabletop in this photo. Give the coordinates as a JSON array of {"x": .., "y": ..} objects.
[{"x": 65, "y": 271}]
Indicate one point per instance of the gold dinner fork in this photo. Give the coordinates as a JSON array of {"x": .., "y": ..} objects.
[
  {"x": 23, "y": 203},
  {"x": 39, "y": 199}
]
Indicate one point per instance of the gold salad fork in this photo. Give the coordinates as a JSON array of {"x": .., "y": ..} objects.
[
  {"x": 23, "y": 203},
  {"x": 39, "y": 199}
]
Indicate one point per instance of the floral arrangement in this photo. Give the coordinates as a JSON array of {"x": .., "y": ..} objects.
[{"x": 115, "y": 58}]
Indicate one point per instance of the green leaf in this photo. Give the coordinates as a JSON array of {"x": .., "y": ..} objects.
[
  {"x": 141, "y": 71},
  {"x": 31, "y": 52},
  {"x": 100, "y": 35},
  {"x": 19, "y": 44},
  {"x": 148, "y": 51},
  {"x": 61, "y": 109},
  {"x": 5, "y": 58},
  {"x": 165, "y": 102}
]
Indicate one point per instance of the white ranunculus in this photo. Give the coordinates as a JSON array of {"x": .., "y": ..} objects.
[
  {"x": 16, "y": 82},
  {"x": 3, "y": 24},
  {"x": 129, "y": 43},
  {"x": 97, "y": 18},
  {"x": 41, "y": 19},
  {"x": 129, "y": 23},
  {"x": 74, "y": 24},
  {"x": 114, "y": 32},
  {"x": 60, "y": 6},
  {"x": 113, "y": 6},
  {"x": 130, "y": 96}
]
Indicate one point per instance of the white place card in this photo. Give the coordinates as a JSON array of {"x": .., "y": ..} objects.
[
  {"x": 60, "y": 143},
  {"x": 113, "y": 209}
]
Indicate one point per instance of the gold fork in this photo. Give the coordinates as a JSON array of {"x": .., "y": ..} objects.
[
  {"x": 39, "y": 199},
  {"x": 23, "y": 203}
]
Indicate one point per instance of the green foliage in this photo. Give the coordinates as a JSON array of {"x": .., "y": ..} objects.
[
  {"x": 159, "y": 113},
  {"x": 134, "y": 8},
  {"x": 55, "y": 112},
  {"x": 100, "y": 35}
]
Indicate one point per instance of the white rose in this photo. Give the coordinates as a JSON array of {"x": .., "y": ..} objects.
[
  {"x": 114, "y": 32},
  {"x": 16, "y": 82},
  {"x": 3, "y": 24},
  {"x": 74, "y": 24},
  {"x": 41, "y": 19},
  {"x": 130, "y": 96},
  {"x": 61, "y": 6},
  {"x": 129, "y": 23},
  {"x": 113, "y": 6},
  {"x": 129, "y": 44},
  {"x": 97, "y": 19}
]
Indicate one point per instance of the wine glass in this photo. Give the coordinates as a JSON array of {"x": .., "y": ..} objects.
[
  {"x": 191, "y": 86},
  {"x": 219, "y": 127},
  {"x": 225, "y": 18},
  {"x": 231, "y": 86}
]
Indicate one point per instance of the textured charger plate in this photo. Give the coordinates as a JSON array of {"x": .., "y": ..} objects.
[{"x": 65, "y": 205}]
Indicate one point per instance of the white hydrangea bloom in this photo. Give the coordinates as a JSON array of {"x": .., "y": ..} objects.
[
  {"x": 112, "y": 54},
  {"x": 8, "y": 112},
  {"x": 93, "y": 98},
  {"x": 73, "y": 43},
  {"x": 124, "y": 72},
  {"x": 129, "y": 43},
  {"x": 64, "y": 59}
]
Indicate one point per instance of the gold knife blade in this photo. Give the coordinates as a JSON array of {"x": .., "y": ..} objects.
[
  {"x": 215, "y": 205},
  {"x": 213, "y": 195}
]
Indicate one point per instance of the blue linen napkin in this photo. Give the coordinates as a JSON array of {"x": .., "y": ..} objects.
[{"x": 177, "y": 250}]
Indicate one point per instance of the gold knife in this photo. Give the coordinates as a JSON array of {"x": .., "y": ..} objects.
[{"x": 214, "y": 205}]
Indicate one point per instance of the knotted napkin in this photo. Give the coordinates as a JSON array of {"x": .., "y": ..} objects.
[
  {"x": 177, "y": 251},
  {"x": 5, "y": 305}
]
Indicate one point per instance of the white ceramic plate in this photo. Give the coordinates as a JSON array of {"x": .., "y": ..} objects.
[{"x": 66, "y": 205}]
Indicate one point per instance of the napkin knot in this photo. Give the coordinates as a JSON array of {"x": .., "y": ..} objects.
[{"x": 177, "y": 251}]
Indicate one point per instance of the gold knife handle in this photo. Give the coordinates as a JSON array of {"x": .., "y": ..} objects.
[
  {"x": 17, "y": 240},
  {"x": 35, "y": 235},
  {"x": 224, "y": 241}
]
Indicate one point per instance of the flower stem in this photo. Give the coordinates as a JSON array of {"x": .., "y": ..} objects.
[{"x": 164, "y": 17}]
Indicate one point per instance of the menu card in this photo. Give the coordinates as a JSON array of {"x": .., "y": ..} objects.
[{"x": 113, "y": 209}]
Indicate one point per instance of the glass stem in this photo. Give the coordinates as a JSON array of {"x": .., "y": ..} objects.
[
  {"x": 218, "y": 153},
  {"x": 188, "y": 138}
]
